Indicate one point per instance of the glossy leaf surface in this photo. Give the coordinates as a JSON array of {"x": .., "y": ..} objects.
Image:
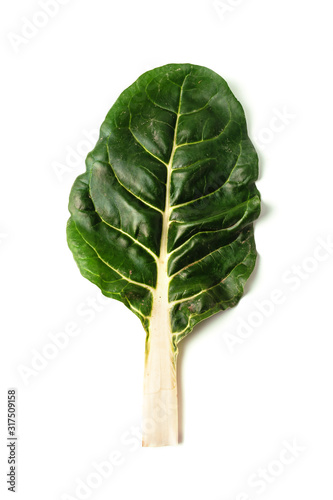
[{"x": 168, "y": 199}]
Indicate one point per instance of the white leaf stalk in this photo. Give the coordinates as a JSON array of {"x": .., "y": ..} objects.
[{"x": 160, "y": 401}]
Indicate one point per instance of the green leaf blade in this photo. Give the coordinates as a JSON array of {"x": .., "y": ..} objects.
[{"x": 169, "y": 199}]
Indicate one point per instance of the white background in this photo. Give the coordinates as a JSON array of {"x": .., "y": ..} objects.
[{"x": 241, "y": 399}]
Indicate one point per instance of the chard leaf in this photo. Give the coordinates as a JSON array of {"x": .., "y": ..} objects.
[{"x": 162, "y": 219}]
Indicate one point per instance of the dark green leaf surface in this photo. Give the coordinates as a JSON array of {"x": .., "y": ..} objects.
[{"x": 172, "y": 178}]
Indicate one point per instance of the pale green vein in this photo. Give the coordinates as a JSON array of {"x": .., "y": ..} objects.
[
  {"x": 202, "y": 160},
  {"x": 138, "y": 311},
  {"x": 161, "y": 121},
  {"x": 216, "y": 217},
  {"x": 216, "y": 190},
  {"x": 226, "y": 229},
  {"x": 203, "y": 107},
  {"x": 177, "y": 84},
  {"x": 137, "y": 242},
  {"x": 210, "y": 254},
  {"x": 185, "y": 299},
  {"x": 155, "y": 104},
  {"x": 126, "y": 188},
  {"x": 101, "y": 279},
  {"x": 206, "y": 140},
  {"x": 143, "y": 147},
  {"x": 178, "y": 336},
  {"x": 138, "y": 283},
  {"x": 151, "y": 173}
]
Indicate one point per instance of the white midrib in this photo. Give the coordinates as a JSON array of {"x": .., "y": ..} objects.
[
  {"x": 161, "y": 307},
  {"x": 160, "y": 382}
]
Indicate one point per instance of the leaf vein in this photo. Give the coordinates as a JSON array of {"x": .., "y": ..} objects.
[{"x": 138, "y": 283}]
